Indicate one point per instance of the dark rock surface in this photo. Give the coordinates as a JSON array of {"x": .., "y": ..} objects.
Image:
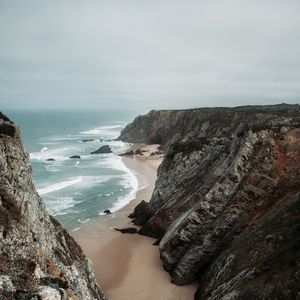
[
  {"x": 226, "y": 202},
  {"x": 128, "y": 153},
  {"x": 75, "y": 156},
  {"x": 38, "y": 258},
  {"x": 102, "y": 150},
  {"x": 141, "y": 213},
  {"x": 87, "y": 140},
  {"x": 138, "y": 152},
  {"x": 107, "y": 211},
  {"x": 131, "y": 230},
  {"x": 50, "y": 159}
]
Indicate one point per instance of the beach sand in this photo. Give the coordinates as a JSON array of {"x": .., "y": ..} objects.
[{"x": 127, "y": 266}]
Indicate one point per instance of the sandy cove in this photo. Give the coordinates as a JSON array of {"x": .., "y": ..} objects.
[{"x": 128, "y": 266}]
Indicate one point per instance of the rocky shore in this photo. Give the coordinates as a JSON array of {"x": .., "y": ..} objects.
[
  {"x": 38, "y": 258},
  {"x": 225, "y": 209},
  {"x": 224, "y": 213}
]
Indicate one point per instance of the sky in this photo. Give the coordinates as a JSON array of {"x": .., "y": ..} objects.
[{"x": 88, "y": 54}]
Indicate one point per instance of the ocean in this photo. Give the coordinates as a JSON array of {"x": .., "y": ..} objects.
[{"x": 78, "y": 190}]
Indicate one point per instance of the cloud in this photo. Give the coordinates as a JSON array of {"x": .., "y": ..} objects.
[{"x": 148, "y": 54}]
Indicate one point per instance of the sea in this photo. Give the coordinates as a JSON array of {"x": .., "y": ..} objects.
[{"x": 78, "y": 190}]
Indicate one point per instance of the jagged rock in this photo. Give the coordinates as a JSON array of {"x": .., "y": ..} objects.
[
  {"x": 138, "y": 152},
  {"x": 156, "y": 153},
  {"x": 48, "y": 293},
  {"x": 33, "y": 245},
  {"x": 226, "y": 202},
  {"x": 6, "y": 285},
  {"x": 102, "y": 150},
  {"x": 107, "y": 211},
  {"x": 50, "y": 159},
  {"x": 75, "y": 156},
  {"x": 131, "y": 230},
  {"x": 128, "y": 153},
  {"x": 141, "y": 213}
]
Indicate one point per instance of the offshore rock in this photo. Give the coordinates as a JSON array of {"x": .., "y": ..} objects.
[
  {"x": 75, "y": 156},
  {"x": 39, "y": 259},
  {"x": 102, "y": 150},
  {"x": 225, "y": 207}
]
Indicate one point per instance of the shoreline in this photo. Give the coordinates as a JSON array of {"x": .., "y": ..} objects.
[{"x": 128, "y": 265}]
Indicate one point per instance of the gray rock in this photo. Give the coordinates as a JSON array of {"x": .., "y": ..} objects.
[
  {"x": 130, "y": 230},
  {"x": 102, "y": 150},
  {"x": 128, "y": 153},
  {"x": 34, "y": 245},
  {"x": 75, "y": 156},
  {"x": 225, "y": 207}
]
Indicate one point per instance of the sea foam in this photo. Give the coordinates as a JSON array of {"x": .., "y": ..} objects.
[{"x": 59, "y": 186}]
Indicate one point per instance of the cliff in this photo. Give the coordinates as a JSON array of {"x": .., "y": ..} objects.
[
  {"x": 39, "y": 259},
  {"x": 226, "y": 205}
]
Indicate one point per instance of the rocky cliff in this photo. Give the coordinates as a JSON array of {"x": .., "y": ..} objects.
[
  {"x": 226, "y": 205},
  {"x": 38, "y": 258}
]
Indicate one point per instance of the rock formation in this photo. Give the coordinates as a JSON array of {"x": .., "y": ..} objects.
[
  {"x": 39, "y": 259},
  {"x": 102, "y": 150},
  {"x": 226, "y": 205},
  {"x": 75, "y": 156}
]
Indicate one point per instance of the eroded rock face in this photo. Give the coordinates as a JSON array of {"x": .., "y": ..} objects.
[
  {"x": 39, "y": 259},
  {"x": 228, "y": 178}
]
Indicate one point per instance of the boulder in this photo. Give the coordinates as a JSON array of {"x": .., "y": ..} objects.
[
  {"x": 102, "y": 150},
  {"x": 87, "y": 140},
  {"x": 130, "y": 230},
  {"x": 50, "y": 159},
  {"x": 128, "y": 153},
  {"x": 107, "y": 211},
  {"x": 141, "y": 213},
  {"x": 75, "y": 156},
  {"x": 138, "y": 152}
]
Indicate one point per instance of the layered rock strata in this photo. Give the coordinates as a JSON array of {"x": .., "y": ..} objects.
[
  {"x": 38, "y": 258},
  {"x": 225, "y": 208}
]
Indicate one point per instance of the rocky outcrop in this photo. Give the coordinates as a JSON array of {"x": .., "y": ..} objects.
[
  {"x": 128, "y": 153},
  {"x": 131, "y": 230},
  {"x": 39, "y": 259},
  {"x": 75, "y": 156},
  {"x": 102, "y": 150},
  {"x": 225, "y": 208},
  {"x": 141, "y": 213}
]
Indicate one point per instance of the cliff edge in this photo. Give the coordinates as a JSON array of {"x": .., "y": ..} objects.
[
  {"x": 39, "y": 259},
  {"x": 226, "y": 205}
]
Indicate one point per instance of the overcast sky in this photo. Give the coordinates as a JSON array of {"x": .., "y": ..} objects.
[{"x": 148, "y": 53}]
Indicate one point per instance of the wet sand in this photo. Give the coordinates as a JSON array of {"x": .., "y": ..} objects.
[{"x": 127, "y": 266}]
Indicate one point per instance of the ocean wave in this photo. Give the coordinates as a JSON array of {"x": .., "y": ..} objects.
[
  {"x": 119, "y": 147},
  {"x": 130, "y": 183},
  {"x": 111, "y": 131},
  {"x": 52, "y": 168},
  {"x": 59, "y": 186},
  {"x": 60, "y": 205},
  {"x": 58, "y": 154},
  {"x": 82, "y": 182}
]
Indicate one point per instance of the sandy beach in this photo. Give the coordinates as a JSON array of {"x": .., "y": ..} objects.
[{"x": 127, "y": 266}]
